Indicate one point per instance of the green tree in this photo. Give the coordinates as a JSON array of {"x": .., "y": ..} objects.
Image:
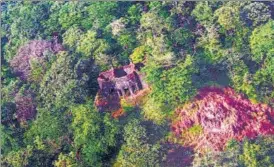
[
  {"x": 89, "y": 45},
  {"x": 21, "y": 22},
  {"x": 261, "y": 41},
  {"x": 94, "y": 134},
  {"x": 248, "y": 153},
  {"x": 66, "y": 82},
  {"x": 66, "y": 160},
  {"x": 136, "y": 151},
  {"x": 100, "y": 14},
  {"x": 203, "y": 13},
  {"x": 173, "y": 86},
  {"x": 227, "y": 17},
  {"x": 182, "y": 37},
  {"x": 140, "y": 54},
  {"x": 154, "y": 34},
  {"x": 154, "y": 111},
  {"x": 72, "y": 36},
  {"x": 64, "y": 15},
  {"x": 48, "y": 127},
  {"x": 11, "y": 138},
  {"x": 258, "y": 153},
  {"x": 242, "y": 79},
  {"x": 17, "y": 158},
  {"x": 211, "y": 44},
  {"x": 135, "y": 13},
  {"x": 264, "y": 80}
]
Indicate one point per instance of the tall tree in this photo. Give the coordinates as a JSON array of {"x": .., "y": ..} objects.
[{"x": 94, "y": 134}]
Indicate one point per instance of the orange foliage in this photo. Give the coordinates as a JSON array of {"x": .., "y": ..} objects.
[{"x": 118, "y": 113}]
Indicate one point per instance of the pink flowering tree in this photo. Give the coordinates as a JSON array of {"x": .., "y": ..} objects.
[
  {"x": 25, "y": 106},
  {"x": 37, "y": 51}
]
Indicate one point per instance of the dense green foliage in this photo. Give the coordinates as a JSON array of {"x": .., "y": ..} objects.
[
  {"x": 137, "y": 151},
  {"x": 94, "y": 134},
  {"x": 183, "y": 46},
  {"x": 252, "y": 153}
]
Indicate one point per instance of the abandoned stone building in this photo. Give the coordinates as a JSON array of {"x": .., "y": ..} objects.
[{"x": 124, "y": 81}]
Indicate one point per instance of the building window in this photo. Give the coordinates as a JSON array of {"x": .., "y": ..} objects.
[
  {"x": 111, "y": 91},
  {"x": 126, "y": 90},
  {"x": 133, "y": 89}
]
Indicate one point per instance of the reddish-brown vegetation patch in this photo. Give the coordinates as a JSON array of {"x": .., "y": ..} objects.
[
  {"x": 35, "y": 50},
  {"x": 107, "y": 102},
  {"x": 218, "y": 115}
]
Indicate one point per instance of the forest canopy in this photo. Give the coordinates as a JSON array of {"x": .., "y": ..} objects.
[{"x": 53, "y": 52}]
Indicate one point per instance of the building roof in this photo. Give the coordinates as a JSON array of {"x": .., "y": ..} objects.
[{"x": 117, "y": 72}]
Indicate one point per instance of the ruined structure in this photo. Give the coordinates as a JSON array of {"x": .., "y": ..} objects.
[
  {"x": 219, "y": 115},
  {"x": 124, "y": 81}
]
